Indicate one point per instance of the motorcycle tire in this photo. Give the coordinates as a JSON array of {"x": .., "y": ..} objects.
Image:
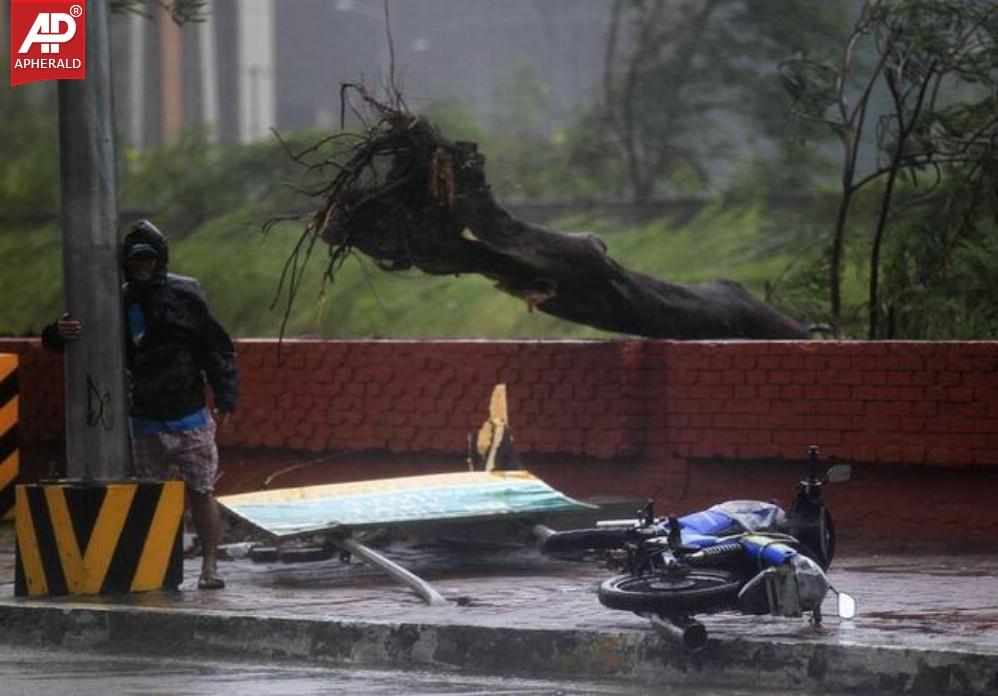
[
  {"x": 690, "y": 591},
  {"x": 577, "y": 540},
  {"x": 816, "y": 534}
]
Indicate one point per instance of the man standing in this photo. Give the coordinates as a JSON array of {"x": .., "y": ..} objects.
[{"x": 172, "y": 344}]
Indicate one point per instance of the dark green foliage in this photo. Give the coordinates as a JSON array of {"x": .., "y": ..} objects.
[
  {"x": 686, "y": 83},
  {"x": 186, "y": 183},
  {"x": 525, "y": 160},
  {"x": 939, "y": 243},
  {"x": 930, "y": 70},
  {"x": 29, "y": 139},
  {"x": 940, "y": 268}
]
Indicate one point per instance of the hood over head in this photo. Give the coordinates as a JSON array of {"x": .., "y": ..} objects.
[{"x": 145, "y": 237}]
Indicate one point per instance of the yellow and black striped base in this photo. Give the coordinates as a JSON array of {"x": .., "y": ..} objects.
[
  {"x": 97, "y": 538},
  {"x": 8, "y": 434}
]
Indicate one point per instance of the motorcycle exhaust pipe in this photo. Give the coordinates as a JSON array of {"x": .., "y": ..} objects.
[{"x": 684, "y": 630}]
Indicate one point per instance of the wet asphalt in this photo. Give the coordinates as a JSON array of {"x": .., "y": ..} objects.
[
  {"x": 914, "y": 596},
  {"x": 55, "y": 672}
]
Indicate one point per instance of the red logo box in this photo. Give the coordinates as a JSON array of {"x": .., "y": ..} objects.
[{"x": 48, "y": 40}]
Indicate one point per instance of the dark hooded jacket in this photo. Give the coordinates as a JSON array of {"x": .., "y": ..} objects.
[{"x": 182, "y": 343}]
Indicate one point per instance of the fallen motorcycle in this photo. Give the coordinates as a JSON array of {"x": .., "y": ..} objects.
[{"x": 744, "y": 555}]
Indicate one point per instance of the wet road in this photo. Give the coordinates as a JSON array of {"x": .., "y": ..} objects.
[
  {"x": 60, "y": 673},
  {"x": 914, "y": 595}
]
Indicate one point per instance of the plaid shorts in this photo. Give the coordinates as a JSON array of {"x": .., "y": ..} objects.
[{"x": 189, "y": 454}]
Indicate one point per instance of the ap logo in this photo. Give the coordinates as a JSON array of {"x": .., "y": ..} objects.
[
  {"x": 47, "y": 40},
  {"x": 50, "y": 29}
]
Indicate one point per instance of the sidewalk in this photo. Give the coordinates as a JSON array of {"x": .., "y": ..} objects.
[{"x": 927, "y": 621}]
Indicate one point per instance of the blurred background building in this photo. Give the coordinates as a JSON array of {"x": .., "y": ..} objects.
[{"x": 253, "y": 65}]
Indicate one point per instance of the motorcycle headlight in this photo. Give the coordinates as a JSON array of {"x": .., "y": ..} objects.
[{"x": 812, "y": 584}]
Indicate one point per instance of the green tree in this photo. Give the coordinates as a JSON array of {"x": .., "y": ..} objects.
[
  {"x": 934, "y": 62},
  {"x": 192, "y": 179},
  {"x": 525, "y": 160},
  {"x": 29, "y": 173},
  {"x": 686, "y": 80}
]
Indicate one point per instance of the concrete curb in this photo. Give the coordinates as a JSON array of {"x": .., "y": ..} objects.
[{"x": 632, "y": 655}]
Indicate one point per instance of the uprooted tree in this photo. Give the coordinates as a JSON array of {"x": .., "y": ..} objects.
[{"x": 406, "y": 197}]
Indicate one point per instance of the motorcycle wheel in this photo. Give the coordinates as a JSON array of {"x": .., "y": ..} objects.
[
  {"x": 596, "y": 539},
  {"x": 692, "y": 591},
  {"x": 816, "y": 534}
]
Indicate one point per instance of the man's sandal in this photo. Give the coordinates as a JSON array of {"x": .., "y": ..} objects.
[{"x": 210, "y": 582}]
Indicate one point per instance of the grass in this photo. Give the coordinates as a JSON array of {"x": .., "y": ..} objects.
[{"x": 240, "y": 267}]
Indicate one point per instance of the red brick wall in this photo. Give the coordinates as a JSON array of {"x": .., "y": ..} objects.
[
  {"x": 686, "y": 421},
  {"x": 402, "y": 396},
  {"x": 927, "y": 404}
]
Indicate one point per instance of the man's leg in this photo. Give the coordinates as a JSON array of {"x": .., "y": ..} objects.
[
  {"x": 206, "y": 523},
  {"x": 196, "y": 455},
  {"x": 149, "y": 458}
]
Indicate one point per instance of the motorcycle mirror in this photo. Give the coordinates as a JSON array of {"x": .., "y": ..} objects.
[
  {"x": 839, "y": 473},
  {"x": 847, "y": 606}
]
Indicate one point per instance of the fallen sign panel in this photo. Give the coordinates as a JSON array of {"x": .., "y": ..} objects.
[{"x": 469, "y": 495}]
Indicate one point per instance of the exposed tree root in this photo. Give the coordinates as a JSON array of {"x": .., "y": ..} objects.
[{"x": 408, "y": 198}]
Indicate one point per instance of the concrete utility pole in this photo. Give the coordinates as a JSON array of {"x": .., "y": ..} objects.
[{"x": 96, "y": 410}]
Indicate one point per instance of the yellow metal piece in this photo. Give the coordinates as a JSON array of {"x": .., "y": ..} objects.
[
  {"x": 65, "y": 537},
  {"x": 9, "y": 462},
  {"x": 159, "y": 543},
  {"x": 85, "y": 571},
  {"x": 497, "y": 405},
  {"x": 130, "y": 543},
  {"x": 27, "y": 547},
  {"x": 8, "y": 363},
  {"x": 8, "y": 471},
  {"x": 8, "y": 415},
  {"x": 491, "y": 433}
]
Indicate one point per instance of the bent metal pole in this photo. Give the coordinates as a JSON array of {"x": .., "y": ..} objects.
[{"x": 96, "y": 412}]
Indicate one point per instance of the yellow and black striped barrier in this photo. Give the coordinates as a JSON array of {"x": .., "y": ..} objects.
[
  {"x": 96, "y": 538},
  {"x": 9, "y": 443}
]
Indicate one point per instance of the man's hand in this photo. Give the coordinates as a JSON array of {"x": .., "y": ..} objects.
[
  {"x": 222, "y": 417},
  {"x": 68, "y": 329}
]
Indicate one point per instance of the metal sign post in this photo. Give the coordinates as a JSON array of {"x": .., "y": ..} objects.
[
  {"x": 96, "y": 412},
  {"x": 93, "y": 534}
]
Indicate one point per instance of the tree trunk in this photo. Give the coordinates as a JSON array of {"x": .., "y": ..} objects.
[{"x": 433, "y": 210}]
